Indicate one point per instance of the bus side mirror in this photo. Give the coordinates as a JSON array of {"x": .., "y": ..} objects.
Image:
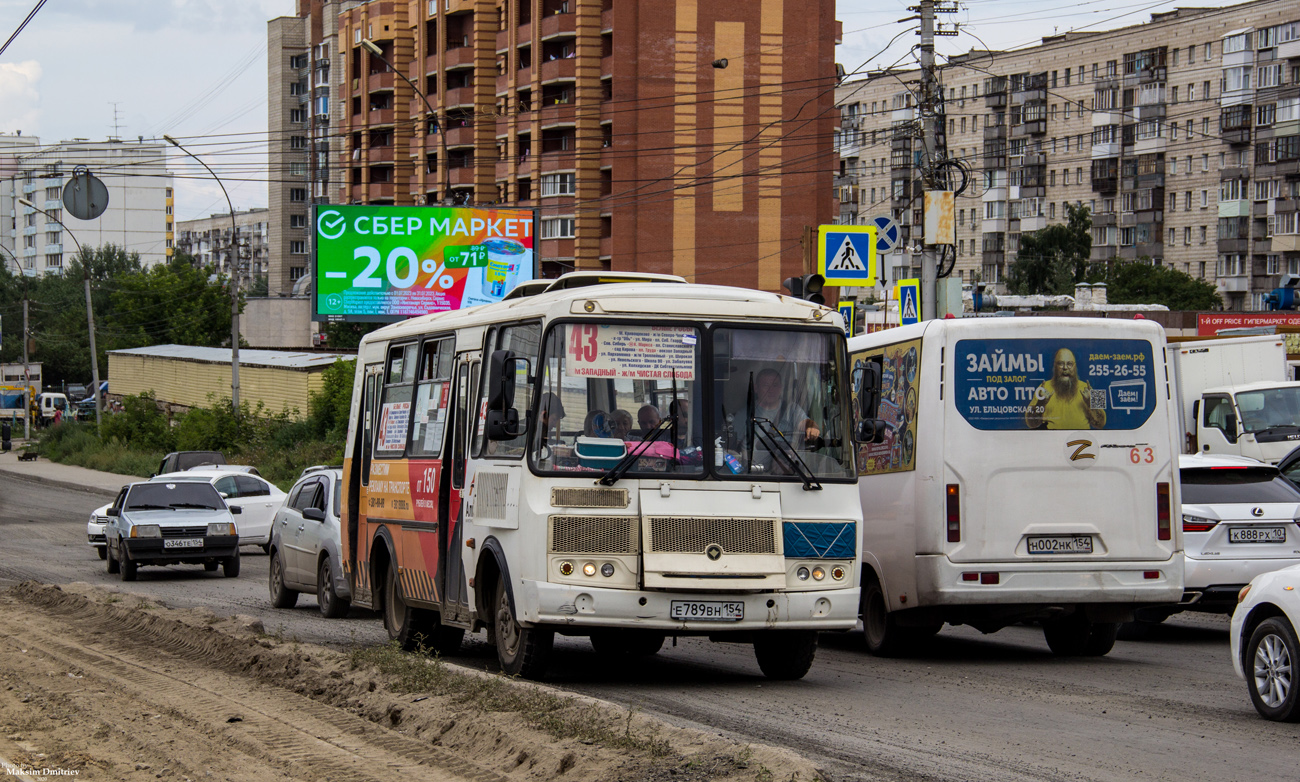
[
  {"x": 502, "y": 421},
  {"x": 866, "y": 383}
]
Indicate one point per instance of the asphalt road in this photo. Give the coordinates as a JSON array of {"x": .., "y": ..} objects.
[{"x": 971, "y": 707}]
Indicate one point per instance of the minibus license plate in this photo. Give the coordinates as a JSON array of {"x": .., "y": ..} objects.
[
  {"x": 708, "y": 610},
  {"x": 1257, "y": 535},
  {"x": 1060, "y": 544},
  {"x": 183, "y": 543}
]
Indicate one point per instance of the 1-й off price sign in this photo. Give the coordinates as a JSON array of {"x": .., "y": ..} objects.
[{"x": 388, "y": 263}]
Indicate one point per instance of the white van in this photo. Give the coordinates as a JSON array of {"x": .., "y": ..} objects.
[
  {"x": 49, "y": 402},
  {"x": 1027, "y": 472}
]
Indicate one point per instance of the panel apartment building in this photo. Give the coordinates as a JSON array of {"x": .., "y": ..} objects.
[
  {"x": 678, "y": 137},
  {"x": 138, "y": 219},
  {"x": 208, "y": 241},
  {"x": 1182, "y": 135}
]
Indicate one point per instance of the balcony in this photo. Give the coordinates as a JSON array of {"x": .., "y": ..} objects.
[
  {"x": 607, "y": 20},
  {"x": 606, "y": 246},
  {"x": 559, "y": 69},
  {"x": 462, "y": 176},
  {"x": 1143, "y": 181},
  {"x": 1234, "y": 284},
  {"x": 380, "y": 155},
  {"x": 460, "y": 57},
  {"x": 462, "y": 136},
  {"x": 1035, "y": 223},
  {"x": 380, "y": 117},
  {"x": 379, "y": 82},
  {"x": 997, "y": 100},
  {"x": 382, "y": 190},
  {"x": 461, "y": 96},
  {"x": 994, "y": 257},
  {"x": 558, "y": 114},
  {"x": 554, "y": 25},
  {"x": 994, "y": 132},
  {"x": 1103, "y": 219},
  {"x": 1236, "y": 136},
  {"x": 503, "y": 41},
  {"x": 1035, "y": 127},
  {"x": 1234, "y": 245},
  {"x": 1103, "y": 253}
]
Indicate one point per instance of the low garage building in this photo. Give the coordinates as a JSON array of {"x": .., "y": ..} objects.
[{"x": 182, "y": 377}]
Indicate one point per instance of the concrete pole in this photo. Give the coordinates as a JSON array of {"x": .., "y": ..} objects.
[
  {"x": 929, "y": 112},
  {"x": 27, "y": 379}
]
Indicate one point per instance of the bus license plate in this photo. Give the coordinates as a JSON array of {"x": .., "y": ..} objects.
[
  {"x": 1257, "y": 535},
  {"x": 707, "y": 610},
  {"x": 1060, "y": 544},
  {"x": 183, "y": 543}
]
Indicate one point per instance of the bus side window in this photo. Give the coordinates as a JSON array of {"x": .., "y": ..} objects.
[
  {"x": 395, "y": 410},
  {"x": 523, "y": 341},
  {"x": 458, "y": 442},
  {"x": 432, "y": 396},
  {"x": 367, "y": 423}
]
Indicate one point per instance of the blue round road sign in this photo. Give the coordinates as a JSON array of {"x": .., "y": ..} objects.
[{"x": 887, "y": 234}]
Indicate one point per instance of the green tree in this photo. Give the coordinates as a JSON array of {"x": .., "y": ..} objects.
[
  {"x": 347, "y": 336},
  {"x": 1052, "y": 260},
  {"x": 170, "y": 303},
  {"x": 331, "y": 406},
  {"x": 1141, "y": 282}
]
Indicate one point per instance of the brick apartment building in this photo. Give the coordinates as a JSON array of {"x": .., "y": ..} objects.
[
  {"x": 619, "y": 121},
  {"x": 1182, "y": 135}
]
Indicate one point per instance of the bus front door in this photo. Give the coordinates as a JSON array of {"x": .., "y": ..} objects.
[{"x": 451, "y": 574}]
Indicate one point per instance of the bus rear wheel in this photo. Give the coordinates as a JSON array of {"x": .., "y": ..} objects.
[
  {"x": 880, "y": 628},
  {"x": 522, "y": 651},
  {"x": 785, "y": 655},
  {"x": 1075, "y": 636}
]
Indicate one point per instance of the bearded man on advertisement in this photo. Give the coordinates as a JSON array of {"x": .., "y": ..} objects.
[{"x": 1064, "y": 401}]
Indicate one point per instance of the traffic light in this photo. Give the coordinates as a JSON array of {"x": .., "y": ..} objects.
[{"x": 808, "y": 287}]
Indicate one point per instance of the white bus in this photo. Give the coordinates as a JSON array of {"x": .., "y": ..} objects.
[
  {"x": 622, "y": 461},
  {"x": 1035, "y": 465}
]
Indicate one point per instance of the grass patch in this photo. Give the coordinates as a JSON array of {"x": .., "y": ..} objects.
[
  {"x": 76, "y": 444},
  {"x": 561, "y": 717}
]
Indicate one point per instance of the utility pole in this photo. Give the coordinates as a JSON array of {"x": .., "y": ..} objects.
[
  {"x": 27, "y": 377},
  {"x": 930, "y": 131}
]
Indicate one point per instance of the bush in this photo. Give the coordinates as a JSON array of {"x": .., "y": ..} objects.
[
  {"x": 140, "y": 424},
  {"x": 76, "y": 443}
]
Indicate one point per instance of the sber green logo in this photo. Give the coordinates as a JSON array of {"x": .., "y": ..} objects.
[{"x": 330, "y": 224}]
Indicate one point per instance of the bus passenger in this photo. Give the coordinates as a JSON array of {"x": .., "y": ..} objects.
[
  {"x": 620, "y": 424},
  {"x": 596, "y": 424},
  {"x": 551, "y": 412},
  {"x": 648, "y": 417}
]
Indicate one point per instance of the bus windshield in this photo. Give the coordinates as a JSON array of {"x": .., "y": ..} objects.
[{"x": 633, "y": 397}]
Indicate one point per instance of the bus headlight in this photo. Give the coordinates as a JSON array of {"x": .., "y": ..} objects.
[
  {"x": 589, "y": 569},
  {"x": 801, "y": 573},
  {"x": 607, "y": 569},
  {"x": 837, "y": 573},
  {"x": 566, "y": 568},
  {"x": 818, "y": 573}
]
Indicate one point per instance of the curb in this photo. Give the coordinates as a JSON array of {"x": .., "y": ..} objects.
[{"x": 22, "y": 476}]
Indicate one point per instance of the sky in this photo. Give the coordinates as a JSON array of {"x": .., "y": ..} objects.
[{"x": 196, "y": 70}]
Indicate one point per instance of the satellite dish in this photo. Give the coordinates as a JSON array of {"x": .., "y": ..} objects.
[{"x": 84, "y": 196}]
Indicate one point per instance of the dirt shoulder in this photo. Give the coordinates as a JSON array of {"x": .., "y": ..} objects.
[{"x": 112, "y": 685}]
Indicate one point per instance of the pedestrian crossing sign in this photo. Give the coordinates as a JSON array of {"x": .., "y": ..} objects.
[
  {"x": 846, "y": 254},
  {"x": 908, "y": 293}
]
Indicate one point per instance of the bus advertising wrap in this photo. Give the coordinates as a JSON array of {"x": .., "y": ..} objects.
[
  {"x": 1054, "y": 383},
  {"x": 388, "y": 263},
  {"x": 900, "y": 382}
]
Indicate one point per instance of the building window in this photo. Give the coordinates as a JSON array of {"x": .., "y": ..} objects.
[
  {"x": 1204, "y": 232},
  {"x": 298, "y": 247},
  {"x": 1187, "y": 235},
  {"x": 557, "y": 185},
  {"x": 297, "y": 142},
  {"x": 296, "y": 273},
  {"x": 1205, "y": 163},
  {"x": 53, "y": 261},
  {"x": 557, "y": 228},
  {"x": 297, "y": 115},
  {"x": 297, "y": 221},
  {"x": 298, "y": 194}
]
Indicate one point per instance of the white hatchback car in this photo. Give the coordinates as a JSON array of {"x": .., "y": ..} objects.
[
  {"x": 1239, "y": 520},
  {"x": 258, "y": 498},
  {"x": 1265, "y": 651}
]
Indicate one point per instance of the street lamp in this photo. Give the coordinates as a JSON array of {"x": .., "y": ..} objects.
[
  {"x": 90, "y": 310},
  {"x": 374, "y": 50},
  {"x": 234, "y": 281},
  {"x": 27, "y": 380}
]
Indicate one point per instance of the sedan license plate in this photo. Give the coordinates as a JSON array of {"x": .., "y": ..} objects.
[
  {"x": 1060, "y": 544},
  {"x": 707, "y": 610},
  {"x": 183, "y": 543},
  {"x": 1257, "y": 534}
]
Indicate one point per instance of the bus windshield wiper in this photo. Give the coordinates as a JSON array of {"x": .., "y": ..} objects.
[
  {"x": 613, "y": 474},
  {"x": 781, "y": 447}
]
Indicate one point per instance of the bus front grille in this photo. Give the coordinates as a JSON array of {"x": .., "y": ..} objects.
[
  {"x": 693, "y": 535},
  {"x": 594, "y": 534}
]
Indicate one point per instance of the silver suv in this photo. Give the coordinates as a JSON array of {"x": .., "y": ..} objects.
[{"x": 170, "y": 523}]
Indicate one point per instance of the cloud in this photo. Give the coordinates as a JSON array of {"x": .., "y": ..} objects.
[{"x": 20, "y": 96}]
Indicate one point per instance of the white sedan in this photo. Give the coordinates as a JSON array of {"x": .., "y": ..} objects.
[
  {"x": 1265, "y": 651},
  {"x": 95, "y": 530},
  {"x": 258, "y": 498}
]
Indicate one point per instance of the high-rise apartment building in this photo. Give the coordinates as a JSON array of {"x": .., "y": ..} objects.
[
  {"x": 138, "y": 217},
  {"x": 1181, "y": 135},
  {"x": 674, "y": 136},
  {"x": 303, "y": 121}
]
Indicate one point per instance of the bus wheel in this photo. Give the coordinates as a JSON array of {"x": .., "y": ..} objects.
[
  {"x": 522, "y": 651},
  {"x": 1075, "y": 636},
  {"x": 626, "y": 643},
  {"x": 785, "y": 655},
  {"x": 880, "y": 629},
  {"x": 406, "y": 625}
]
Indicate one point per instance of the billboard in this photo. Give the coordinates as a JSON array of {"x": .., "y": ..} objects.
[{"x": 389, "y": 263}]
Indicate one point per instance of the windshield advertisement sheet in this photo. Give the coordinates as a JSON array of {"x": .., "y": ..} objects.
[{"x": 1054, "y": 383}]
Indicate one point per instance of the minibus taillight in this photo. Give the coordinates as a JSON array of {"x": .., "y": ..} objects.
[
  {"x": 954, "y": 513},
  {"x": 1164, "y": 529}
]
